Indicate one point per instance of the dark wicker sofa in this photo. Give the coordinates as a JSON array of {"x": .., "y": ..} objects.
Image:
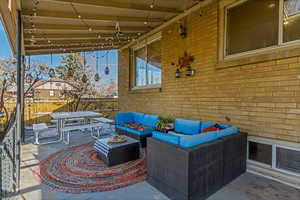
[{"x": 195, "y": 173}]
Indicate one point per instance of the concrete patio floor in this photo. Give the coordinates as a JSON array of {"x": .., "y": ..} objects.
[{"x": 246, "y": 187}]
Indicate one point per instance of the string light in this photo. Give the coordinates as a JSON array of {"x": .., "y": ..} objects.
[{"x": 152, "y": 4}]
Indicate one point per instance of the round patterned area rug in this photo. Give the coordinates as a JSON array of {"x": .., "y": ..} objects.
[{"x": 79, "y": 170}]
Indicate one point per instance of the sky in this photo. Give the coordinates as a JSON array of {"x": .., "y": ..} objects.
[{"x": 5, "y": 52}]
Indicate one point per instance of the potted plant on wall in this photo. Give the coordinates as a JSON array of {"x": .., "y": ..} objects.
[{"x": 165, "y": 124}]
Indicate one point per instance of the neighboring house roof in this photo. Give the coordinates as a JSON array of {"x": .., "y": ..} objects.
[{"x": 47, "y": 84}]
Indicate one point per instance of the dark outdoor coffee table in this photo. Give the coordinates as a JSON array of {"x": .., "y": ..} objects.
[{"x": 117, "y": 153}]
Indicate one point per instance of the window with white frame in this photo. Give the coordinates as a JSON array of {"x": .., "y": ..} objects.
[
  {"x": 273, "y": 155},
  {"x": 254, "y": 24},
  {"x": 147, "y": 62}
]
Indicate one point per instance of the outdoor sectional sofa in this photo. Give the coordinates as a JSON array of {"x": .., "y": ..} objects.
[
  {"x": 136, "y": 125},
  {"x": 189, "y": 165}
]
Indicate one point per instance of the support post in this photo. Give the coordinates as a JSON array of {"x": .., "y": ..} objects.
[
  {"x": 20, "y": 93},
  {"x": 23, "y": 101}
]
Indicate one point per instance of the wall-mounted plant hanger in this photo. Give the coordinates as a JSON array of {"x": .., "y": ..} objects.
[{"x": 184, "y": 67}]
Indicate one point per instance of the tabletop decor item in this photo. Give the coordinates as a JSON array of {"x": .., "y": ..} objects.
[{"x": 117, "y": 139}]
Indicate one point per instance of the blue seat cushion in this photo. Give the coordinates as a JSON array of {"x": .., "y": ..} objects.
[
  {"x": 227, "y": 131},
  {"x": 189, "y": 127},
  {"x": 124, "y": 118},
  {"x": 150, "y": 120},
  {"x": 170, "y": 138},
  {"x": 187, "y": 141},
  {"x": 138, "y": 118},
  {"x": 147, "y": 131}
]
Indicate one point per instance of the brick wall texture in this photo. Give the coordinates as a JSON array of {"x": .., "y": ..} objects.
[{"x": 262, "y": 99}]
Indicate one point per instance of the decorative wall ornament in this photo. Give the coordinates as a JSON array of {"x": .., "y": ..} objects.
[
  {"x": 182, "y": 31},
  {"x": 184, "y": 65}
]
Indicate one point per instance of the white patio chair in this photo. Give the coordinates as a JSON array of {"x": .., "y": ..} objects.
[{"x": 38, "y": 129}]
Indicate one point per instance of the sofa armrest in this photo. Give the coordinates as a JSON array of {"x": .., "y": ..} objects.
[
  {"x": 168, "y": 164},
  {"x": 170, "y": 138}
]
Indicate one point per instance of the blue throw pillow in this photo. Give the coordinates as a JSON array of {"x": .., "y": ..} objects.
[
  {"x": 138, "y": 118},
  {"x": 150, "y": 120},
  {"x": 189, "y": 127}
]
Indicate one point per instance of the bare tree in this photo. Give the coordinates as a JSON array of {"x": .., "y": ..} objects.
[
  {"x": 33, "y": 73},
  {"x": 76, "y": 71}
]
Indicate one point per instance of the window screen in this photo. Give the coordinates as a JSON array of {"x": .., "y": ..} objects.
[
  {"x": 252, "y": 25},
  {"x": 288, "y": 159},
  {"x": 260, "y": 153}
]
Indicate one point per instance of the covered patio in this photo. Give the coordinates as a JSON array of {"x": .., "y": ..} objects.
[
  {"x": 246, "y": 187},
  {"x": 186, "y": 60}
]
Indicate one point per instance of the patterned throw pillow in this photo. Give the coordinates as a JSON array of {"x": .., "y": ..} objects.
[
  {"x": 131, "y": 125},
  {"x": 215, "y": 127},
  {"x": 143, "y": 128},
  {"x": 135, "y": 126}
]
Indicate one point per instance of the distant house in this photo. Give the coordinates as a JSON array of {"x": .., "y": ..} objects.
[{"x": 54, "y": 88}]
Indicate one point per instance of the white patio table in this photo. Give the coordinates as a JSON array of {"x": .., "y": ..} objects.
[{"x": 62, "y": 116}]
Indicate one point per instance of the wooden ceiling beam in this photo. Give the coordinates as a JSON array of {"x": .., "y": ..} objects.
[
  {"x": 122, "y": 5},
  {"x": 66, "y": 50},
  {"x": 86, "y": 17},
  {"x": 72, "y": 42},
  {"x": 58, "y": 37},
  {"x": 44, "y": 27}
]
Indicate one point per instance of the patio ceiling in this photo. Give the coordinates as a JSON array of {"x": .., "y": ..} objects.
[{"x": 61, "y": 26}]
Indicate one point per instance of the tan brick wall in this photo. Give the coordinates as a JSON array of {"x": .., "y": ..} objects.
[{"x": 262, "y": 99}]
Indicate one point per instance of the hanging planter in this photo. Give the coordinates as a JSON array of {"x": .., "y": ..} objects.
[
  {"x": 84, "y": 78},
  {"x": 51, "y": 73},
  {"x": 106, "y": 70},
  {"x": 97, "y": 77}
]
